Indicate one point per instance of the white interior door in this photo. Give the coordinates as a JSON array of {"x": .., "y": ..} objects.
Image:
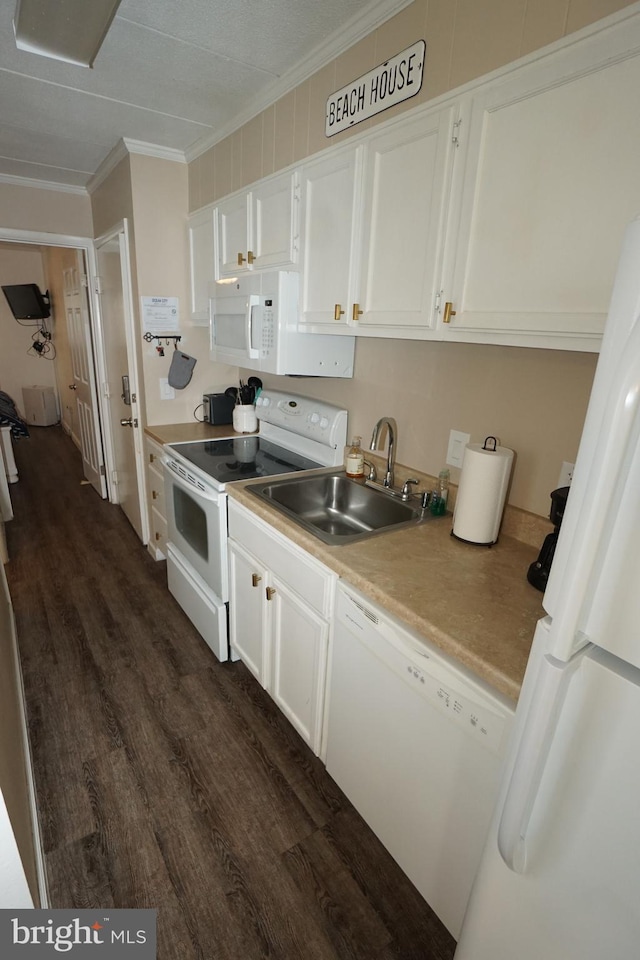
[
  {"x": 87, "y": 425},
  {"x": 114, "y": 287}
]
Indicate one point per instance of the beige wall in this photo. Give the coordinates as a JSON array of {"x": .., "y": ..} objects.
[
  {"x": 21, "y": 263},
  {"x": 152, "y": 194},
  {"x": 534, "y": 400},
  {"x": 47, "y": 211},
  {"x": 465, "y": 39}
]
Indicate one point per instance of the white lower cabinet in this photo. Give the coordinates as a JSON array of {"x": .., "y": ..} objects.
[
  {"x": 155, "y": 492},
  {"x": 280, "y": 604}
]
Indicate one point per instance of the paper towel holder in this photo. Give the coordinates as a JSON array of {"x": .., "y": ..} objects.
[{"x": 477, "y": 514}]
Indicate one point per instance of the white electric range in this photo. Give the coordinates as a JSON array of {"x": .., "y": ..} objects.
[{"x": 295, "y": 433}]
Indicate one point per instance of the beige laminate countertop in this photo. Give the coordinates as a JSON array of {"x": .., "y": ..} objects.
[
  {"x": 186, "y": 432},
  {"x": 472, "y": 602}
]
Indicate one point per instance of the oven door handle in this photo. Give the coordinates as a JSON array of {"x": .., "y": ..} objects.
[{"x": 206, "y": 494}]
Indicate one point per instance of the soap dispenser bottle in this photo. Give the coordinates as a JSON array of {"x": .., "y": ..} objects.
[{"x": 354, "y": 461}]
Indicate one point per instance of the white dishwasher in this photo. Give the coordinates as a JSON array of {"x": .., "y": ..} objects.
[{"x": 416, "y": 743}]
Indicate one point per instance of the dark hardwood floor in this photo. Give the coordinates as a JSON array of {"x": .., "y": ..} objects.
[{"x": 168, "y": 780}]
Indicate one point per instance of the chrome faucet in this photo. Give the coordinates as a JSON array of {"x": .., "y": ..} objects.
[{"x": 392, "y": 428}]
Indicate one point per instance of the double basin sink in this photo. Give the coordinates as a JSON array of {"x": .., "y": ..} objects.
[{"x": 336, "y": 509}]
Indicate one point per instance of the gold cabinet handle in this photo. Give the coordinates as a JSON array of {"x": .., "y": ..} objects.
[
  {"x": 152, "y": 457},
  {"x": 154, "y": 494},
  {"x": 158, "y": 536},
  {"x": 337, "y": 311},
  {"x": 241, "y": 260},
  {"x": 270, "y": 593},
  {"x": 357, "y": 312},
  {"x": 255, "y": 579},
  {"x": 448, "y": 312},
  {"x": 250, "y": 256}
]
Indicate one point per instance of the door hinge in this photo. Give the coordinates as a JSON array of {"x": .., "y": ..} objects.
[
  {"x": 455, "y": 136},
  {"x": 438, "y": 301},
  {"x": 103, "y": 472},
  {"x": 98, "y": 284},
  {"x": 114, "y": 476},
  {"x": 106, "y": 390}
]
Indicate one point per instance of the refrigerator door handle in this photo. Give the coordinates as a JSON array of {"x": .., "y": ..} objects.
[{"x": 535, "y": 743}]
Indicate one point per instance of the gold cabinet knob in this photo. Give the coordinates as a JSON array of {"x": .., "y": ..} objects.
[
  {"x": 357, "y": 312},
  {"x": 241, "y": 260},
  {"x": 448, "y": 312},
  {"x": 154, "y": 494},
  {"x": 255, "y": 579},
  {"x": 337, "y": 311},
  {"x": 250, "y": 256},
  {"x": 270, "y": 593}
]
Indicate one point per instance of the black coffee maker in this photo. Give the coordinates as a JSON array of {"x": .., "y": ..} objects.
[{"x": 538, "y": 572}]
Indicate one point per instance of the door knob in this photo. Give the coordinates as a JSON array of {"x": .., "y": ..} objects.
[
  {"x": 129, "y": 422},
  {"x": 72, "y": 386}
]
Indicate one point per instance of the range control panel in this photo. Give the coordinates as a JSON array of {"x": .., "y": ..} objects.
[{"x": 304, "y": 416}]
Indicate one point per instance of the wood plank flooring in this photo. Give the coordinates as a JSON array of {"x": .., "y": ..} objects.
[{"x": 168, "y": 780}]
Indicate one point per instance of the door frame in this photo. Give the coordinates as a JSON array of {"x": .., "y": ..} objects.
[
  {"x": 120, "y": 232},
  {"x": 103, "y": 419},
  {"x": 85, "y": 244}
]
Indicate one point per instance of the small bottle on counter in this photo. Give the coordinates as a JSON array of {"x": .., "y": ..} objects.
[
  {"x": 354, "y": 461},
  {"x": 440, "y": 495}
]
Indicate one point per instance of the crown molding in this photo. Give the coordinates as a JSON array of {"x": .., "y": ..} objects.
[
  {"x": 124, "y": 148},
  {"x": 42, "y": 184},
  {"x": 360, "y": 26}
]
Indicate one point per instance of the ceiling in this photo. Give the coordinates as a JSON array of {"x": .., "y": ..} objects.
[{"x": 178, "y": 74}]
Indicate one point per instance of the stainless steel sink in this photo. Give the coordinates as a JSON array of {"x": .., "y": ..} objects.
[{"x": 336, "y": 509}]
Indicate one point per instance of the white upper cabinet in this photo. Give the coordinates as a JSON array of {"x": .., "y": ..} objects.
[
  {"x": 202, "y": 263},
  {"x": 257, "y": 229},
  {"x": 551, "y": 181},
  {"x": 329, "y": 214},
  {"x": 373, "y": 217},
  {"x": 407, "y": 178}
]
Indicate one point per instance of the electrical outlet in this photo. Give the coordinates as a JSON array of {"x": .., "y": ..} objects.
[
  {"x": 566, "y": 474},
  {"x": 455, "y": 450}
]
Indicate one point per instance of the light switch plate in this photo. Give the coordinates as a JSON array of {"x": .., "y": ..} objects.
[
  {"x": 166, "y": 392},
  {"x": 455, "y": 450}
]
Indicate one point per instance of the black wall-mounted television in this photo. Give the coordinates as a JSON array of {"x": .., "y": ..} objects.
[{"x": 26, "y": 302}]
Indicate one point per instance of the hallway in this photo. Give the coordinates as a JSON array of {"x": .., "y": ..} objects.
[{"x": 168, "y": 780}]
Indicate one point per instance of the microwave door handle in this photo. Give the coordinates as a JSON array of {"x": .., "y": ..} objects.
[{"x": 252, "y": 305}]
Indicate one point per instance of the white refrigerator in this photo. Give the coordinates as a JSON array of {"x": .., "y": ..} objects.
[{"x": 560, "y": 874}]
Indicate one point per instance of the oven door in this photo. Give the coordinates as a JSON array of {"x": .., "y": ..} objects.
[
  {"x": 197, "y": 557},
  {"x": 197, "y": 525}
]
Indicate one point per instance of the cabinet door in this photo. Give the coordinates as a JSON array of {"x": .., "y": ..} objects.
[
  {"x": 202, "y": 264},
  {"x": 247, "y": 610},
  {"x": 551, "y": 182},
  {"x": 407, "y": 183},
  {"x": 299, "y": 661},
  {"x": 232, "y": 235},
  {"x": 330, "y": 190},
  {"x": 274, "y": 222}
]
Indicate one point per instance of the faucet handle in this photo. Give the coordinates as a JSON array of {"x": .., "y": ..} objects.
[
  {"x": 406, "y": 489},
  {"x": 372, "y": 470}
]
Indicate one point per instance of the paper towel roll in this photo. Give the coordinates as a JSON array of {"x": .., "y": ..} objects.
[{"x": 482, "y": 492}]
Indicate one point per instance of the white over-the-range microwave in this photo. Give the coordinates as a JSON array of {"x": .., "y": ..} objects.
[{"x": 253, "y": 323}]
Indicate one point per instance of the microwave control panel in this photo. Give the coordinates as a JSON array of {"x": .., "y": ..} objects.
[{"x": 267, "y": 340}]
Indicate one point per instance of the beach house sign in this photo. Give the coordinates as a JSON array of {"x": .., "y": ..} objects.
[{"x": 395, "y": 80}]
